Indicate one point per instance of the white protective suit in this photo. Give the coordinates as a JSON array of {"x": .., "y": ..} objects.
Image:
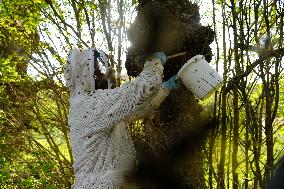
[{"x": 101, "y": 145}]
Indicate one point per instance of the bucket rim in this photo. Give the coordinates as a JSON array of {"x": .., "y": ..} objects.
[{"x": 188, "y": 63}]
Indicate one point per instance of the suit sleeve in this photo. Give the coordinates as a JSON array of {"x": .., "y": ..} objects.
[{"x": 134, "y": 99}]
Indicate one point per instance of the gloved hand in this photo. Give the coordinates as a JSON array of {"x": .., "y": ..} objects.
[
  {"x": 161, "y": 56},
  {"x": 172, "y": 84}
]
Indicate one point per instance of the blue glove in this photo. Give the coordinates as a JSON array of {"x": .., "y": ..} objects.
[
  {"x": 161, "y": 56},
  {"x": 172, "y": 84}
]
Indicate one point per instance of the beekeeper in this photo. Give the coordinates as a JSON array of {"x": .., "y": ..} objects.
[{"x": 102, "y": 148}]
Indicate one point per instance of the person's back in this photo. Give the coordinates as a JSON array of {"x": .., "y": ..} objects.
[{"x": 103, "y": 152}]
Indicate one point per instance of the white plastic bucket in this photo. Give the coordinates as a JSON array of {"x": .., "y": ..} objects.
[{"x": 199, "y": 77}]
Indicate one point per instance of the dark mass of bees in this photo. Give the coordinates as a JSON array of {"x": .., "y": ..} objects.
[{"x": 171, "y": 27}]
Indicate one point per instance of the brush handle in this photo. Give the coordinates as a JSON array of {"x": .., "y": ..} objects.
[{"x": 176, "y": 55}]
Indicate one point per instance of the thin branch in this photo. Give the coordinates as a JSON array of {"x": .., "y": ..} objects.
[{"x": 274, "y": 53}]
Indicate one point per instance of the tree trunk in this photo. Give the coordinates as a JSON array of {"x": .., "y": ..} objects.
[{"x": 174, "y": 134}]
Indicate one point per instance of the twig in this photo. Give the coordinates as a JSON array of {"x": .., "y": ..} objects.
[{"x": 274, "y": 53}]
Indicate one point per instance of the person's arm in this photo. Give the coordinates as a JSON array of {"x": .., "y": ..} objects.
[{"x": 134, "y": 99}]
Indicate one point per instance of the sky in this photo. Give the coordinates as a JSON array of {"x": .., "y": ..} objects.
[{"x": 58, "y": 41}]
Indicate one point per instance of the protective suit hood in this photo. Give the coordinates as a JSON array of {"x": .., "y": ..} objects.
[{"x": 79, "y": 71}]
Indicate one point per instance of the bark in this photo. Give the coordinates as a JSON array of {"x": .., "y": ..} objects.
[
  {"x": 235, "y": 142},
  {"x": 221, "y": 179},
  {"x": 236, "y": 99}
]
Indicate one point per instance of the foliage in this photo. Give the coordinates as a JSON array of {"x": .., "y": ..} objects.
[
  {"x": 36, "y": 36},
  {"x": 250, "y": 101}
]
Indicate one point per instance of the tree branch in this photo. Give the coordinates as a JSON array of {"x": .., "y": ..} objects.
[{"x": 266, "y": 55}]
